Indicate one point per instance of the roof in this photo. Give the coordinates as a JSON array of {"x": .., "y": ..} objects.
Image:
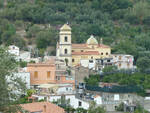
[
  {"x": 103, "y": 46},
  {"x": 65, "y": 27},
  {"x": 92, "y": 40},
  {"x": 83, "y": 46},
  {"x": 45, "y": 107},
  {"x": 86, "y": 53}
]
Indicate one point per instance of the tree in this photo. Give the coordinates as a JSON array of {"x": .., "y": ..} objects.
[
  {"x": 45, "y": 38},
  {"x": 9, "y": 85},
  {"x": 140, "y": 109},
  {"x": 143, "y": 63},
  {"x": 141, "y": 10},
  {"x": 96, "y": 109},
  {"x": 109, "y": 69},
  {"x": 93, "y": 80}
]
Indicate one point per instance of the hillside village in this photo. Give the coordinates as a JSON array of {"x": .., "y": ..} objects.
[
  {"x": 61, "y": 78},
  {"x": 74, "y": 56}
]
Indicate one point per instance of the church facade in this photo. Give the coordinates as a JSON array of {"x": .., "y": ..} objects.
[{"x": 72, "y": 54}]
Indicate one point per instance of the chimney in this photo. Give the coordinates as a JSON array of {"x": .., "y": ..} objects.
[{"x": 44, "y": 109}]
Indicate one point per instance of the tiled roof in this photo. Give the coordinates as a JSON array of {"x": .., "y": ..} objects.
[
  {"x": 86, "y": 53},
  {"x": 45, "y": 107},
  {"x": 83, "y": 46},
  {"x": 65, "y": 27}
]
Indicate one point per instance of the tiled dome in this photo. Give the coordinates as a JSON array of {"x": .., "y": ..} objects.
[{"x": 92, "y": 40}]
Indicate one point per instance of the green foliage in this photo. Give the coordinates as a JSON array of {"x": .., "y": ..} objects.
[
  {"x": 140, "y": 109},
  {"x": 30, "y": 92},
  {"x": 141, "y": 10},
  {"x": 143, "y": 63},
  {"x": 81, "y": 110},
  {"x": 23, "y": 64},
  {"x": 120, "y": 107},
  {"x": 109, "y": 69},
  {"x": 93, "y": 80},
  {"x": 96, "y": 109},
  {"x": 45, "y": 38},
  {"x": 33, "y": 30},
  {"x": 9, "y": 87}
]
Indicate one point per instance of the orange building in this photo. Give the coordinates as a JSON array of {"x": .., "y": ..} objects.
[
  {"x": 42, "y": 107},
  {"x": 53, "y": 72}
]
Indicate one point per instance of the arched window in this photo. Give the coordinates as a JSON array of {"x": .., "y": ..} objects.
[
  {"x": 106, "y": 53},
  {"x": 101, "y": 53},
  {"x": 66, "y": 51},
  {"x": 66, "y": 38}
]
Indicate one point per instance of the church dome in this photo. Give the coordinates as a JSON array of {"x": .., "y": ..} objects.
[
  {"x": 65, "y": 27},
  {"x": 92, "y": 40}
]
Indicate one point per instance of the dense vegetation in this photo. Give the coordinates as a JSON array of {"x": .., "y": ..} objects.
[
  {"x": 122, "y": 77},
  {"x": 123, "y": 24},
  {"x": 11, "y": 86}
]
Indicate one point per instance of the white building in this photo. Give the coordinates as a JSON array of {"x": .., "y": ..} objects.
[
  {"x": 12, "y": 49},
  {"x": 123, "y": 61},
  {"x": 24, "y": 56},
  {"x": 91, "y": 64},
  {"x": 74, "y": 102}
]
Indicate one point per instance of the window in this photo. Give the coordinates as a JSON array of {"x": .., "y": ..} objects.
[
  {"x": 91, "y": 61},
  {"x": 106, "y": 53},
  {"x": 66, "y": 51},
  {"x": 58, "y": 78},
  {"x": 81, "y": 50},
  {"x": 35, "y": 74},
  {"x": 72, "y": 50},
  {"x": 80, "y": 103},
  {"x": 66, "y": 38},
  {"x": 101, "y": 53},
  {"x": 108, "y": 60},
  {"x": 92, "y": 57},
  {"x": 72, "y": 60},
  {"x": 48, "y": 74},
  {"x": 66, "y": 89}
]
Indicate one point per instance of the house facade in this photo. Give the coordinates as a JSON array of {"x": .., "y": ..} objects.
[
  {"x": 123, "y": 61},
  {"x": 50, "y": 72}
]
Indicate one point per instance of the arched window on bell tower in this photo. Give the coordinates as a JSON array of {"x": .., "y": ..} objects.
[
  {"x": 66, "y": 51},
  {"x": 66, "y": 39}
]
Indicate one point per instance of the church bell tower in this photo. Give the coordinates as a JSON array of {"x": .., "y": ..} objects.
[{"x": 65, "y": 44}]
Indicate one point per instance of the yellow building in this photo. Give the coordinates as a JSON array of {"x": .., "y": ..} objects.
[{"x": 73, "y": 53}]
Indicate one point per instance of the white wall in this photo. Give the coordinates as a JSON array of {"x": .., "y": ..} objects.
[
  {"x": 13, "y": 50},
  {"x": 74, "y": 102},
  {"x": 65, "y": 90},
  {"x": 25, "y": 56},
  {"x": 84, "y": 63},
  {"x": 98, "y": 100}
]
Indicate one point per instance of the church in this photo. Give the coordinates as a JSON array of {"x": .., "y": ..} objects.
[{"x": 72, "y": 54}]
